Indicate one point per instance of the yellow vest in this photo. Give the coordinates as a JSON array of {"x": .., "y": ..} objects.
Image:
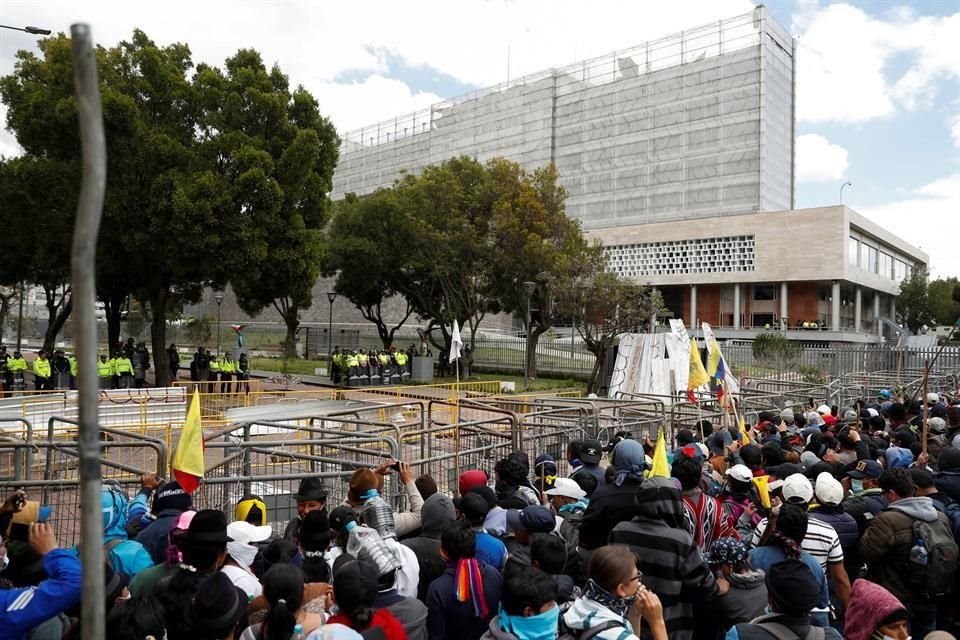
[
  {"x": 227, "y": 366},
  {"x": 352, "y": 361},
  {"x": 74, "y": 366},
  {"x": 104, "y": 370},
  {"x": 124, "y": 366},
  {"x": 215, "y": 365},
  {"x": 16, "y": 364},
  {"x": 401, "y": 358},
  {"x": 41, "y": 368}
]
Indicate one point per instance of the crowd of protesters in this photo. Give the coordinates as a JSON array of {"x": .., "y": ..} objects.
[{"x": 825, "y": 523}]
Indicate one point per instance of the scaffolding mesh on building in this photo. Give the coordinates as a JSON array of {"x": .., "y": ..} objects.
[{"x": 692, "y": 125}]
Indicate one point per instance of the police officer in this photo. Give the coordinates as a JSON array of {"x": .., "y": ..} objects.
[
  {"x": 363, "y": 364},
  {"x": 401, "y": 359},
  {"x": 214, "y": 368},
  {"x": 227, "y": 369},
  {"x": 74, "y": 370},
  {"x": 174, "y": 357},
  {"x": 104, "y": 372},
  {"x": 17, "y": 366},
  {"x": 353, "y": 365},
  {"x": 335, "y": 365},
  {"x": 60, "y": 368},
  {"x": 41, "y": 371},
  {"x": 141, "y": 364},
  {"x": 6, "y": 379},
  {"x": 243, "y": 372},
  {"x": 202, "y": 358},
  {"x": 124, "y": 370}
]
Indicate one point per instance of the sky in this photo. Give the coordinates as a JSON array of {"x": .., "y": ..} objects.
[{"x": 878, "y": 81}]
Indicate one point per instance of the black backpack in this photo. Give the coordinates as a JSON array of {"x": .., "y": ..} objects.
[{"x": 934, "y": 578}]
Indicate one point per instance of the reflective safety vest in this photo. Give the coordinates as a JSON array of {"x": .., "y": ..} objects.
[
  {"x": 124, "y": 366},
  {"x": 226, "y": 366},
  {"x": 363, "y": 359},
  {"x": 215, "y": 365},
  {"x": 41, "y": 368},
  {"x": 383, "y": 358},
  {"x": 104, "y": 370},
  {"x": 113, "y": 366},
  {"x": 401, "y": 358},
  {"x": 352, "y": 360},
  {"x": 74, "y": 366},
  {"x": 16, "y": 364}
]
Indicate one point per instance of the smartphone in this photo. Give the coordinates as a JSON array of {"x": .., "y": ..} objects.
[
  {"x": 19, "y": 532},
  {"x": 396, "y": 466}
]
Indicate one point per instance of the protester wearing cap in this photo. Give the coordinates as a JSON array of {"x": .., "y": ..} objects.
[
  {"x": 169, "y": 501},
  {"x": 591, "y": 452},
  {"x": 241, "y": 552},
  {"x": 923, "y": 480},
  {"x": 252, "y": 509},
  {"x": 740, "y": 498},
  {"x": 792, "y": 592},
  {"x": 948, "y": 478},
  {"x": 828, "y": 493},
  {"x": 216, "y": 608},
  {"x": 526, "y": 522},
  {"x": 470, "y": 479},
  {"x": 747, "y": 597},
  {"x": 615, "y": 501},
  {"x": 865, "y": 500},
  {"x": 821, "y": 540},
  {"x": 311, "y": 496},
  {"x": 566, "y": 497}
]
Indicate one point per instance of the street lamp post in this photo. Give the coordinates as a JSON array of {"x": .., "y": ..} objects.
[
  {"x": 331, "y": 296},
  {"x": 528, "y": 289},
  {"x": 219, "y": 298},
  {"x": 844, "y": 185},
  {"x": 36, "y": 31},
  {"x": 20, "y": 320}
]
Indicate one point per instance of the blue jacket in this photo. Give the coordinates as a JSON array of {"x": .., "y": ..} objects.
[
  {"x": 23, "y": 609},
  {"x": 156, "y": 537},
  {"x": 129, "y": 557}
]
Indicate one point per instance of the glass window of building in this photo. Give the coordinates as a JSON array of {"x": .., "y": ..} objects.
[
  {"x": 764, "y": 292},
  {"x": 853, "y": 250},
  {"x": 899, "y": 270},
  {"x": 865, "y": 257},
  {"x": 886, "y": 265},
  {"x": 872, "y": 257}
]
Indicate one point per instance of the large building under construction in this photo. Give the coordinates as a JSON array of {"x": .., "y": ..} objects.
[{"x": 678, "y": 155}]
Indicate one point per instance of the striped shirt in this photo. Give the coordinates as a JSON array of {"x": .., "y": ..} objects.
[{"x": 821, "y": 542}]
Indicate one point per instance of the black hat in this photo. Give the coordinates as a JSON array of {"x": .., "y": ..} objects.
[
  {"x": 217, "y": 605},
  {"x": 341, "y": 516},
  {"x": 487, "y": 493},
  {"x": 473, "y": 506},
  {"x": 209, "y": 525},
  {"x": 591, "y": 452},
  {"x": 354, "y": 584},
  {"x": 310, "y": 489},
  {"x": 922, "y": 478},
  {"x": 315, "y": 531},
  {"x": 792, "y": 587},
  {"x": 171, "y": 496}
]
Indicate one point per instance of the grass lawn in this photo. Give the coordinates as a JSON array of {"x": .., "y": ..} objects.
[{"x": 296, "y": 366}]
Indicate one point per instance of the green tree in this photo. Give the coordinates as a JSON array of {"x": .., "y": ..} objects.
[
  {"x": 913, "y": 302},
  {"x": 608, "y": 307},
  {"x": 368, "y": 244},
  {"x": 535, "y": 241},
  {"x": 276, "y": 153},
  {"x": 773, "y": 349},
  {"x": 944, "y": 295}
]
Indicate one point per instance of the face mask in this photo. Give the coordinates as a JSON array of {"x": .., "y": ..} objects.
[
  {"x": 6, "y": 563},
  {"x": 856, "y": 485},
  {"x": 619, "y": 605},
  {"x": 243, "y": 553},
  {"x": 542, "y": 626},
  {"x": 881, "y": 636}
]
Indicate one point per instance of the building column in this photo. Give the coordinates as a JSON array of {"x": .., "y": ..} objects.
[
  {"x": 893, "y": 309},
  {"x": 693, "y": 307},
  {"x": 784, "y": 306},
  {"x": 653, "y": 315},
  {"x": 857, "y": 309},
  {"x": 736, "y": 306},
  {"x": 835, "y": 307},
  {"x": 876, "y": 313}
]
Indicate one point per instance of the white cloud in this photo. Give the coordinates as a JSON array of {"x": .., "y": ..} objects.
[
  {"x": 845, "y": 61},
  {"x": 818, "y": 159},
  {"x": 376, "y": 98},
  {"x": 955, "y": 130},
  {"x": 926, "y": 219}
]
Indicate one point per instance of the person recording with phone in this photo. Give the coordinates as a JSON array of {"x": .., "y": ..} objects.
[{"x": 364, "y": 481}]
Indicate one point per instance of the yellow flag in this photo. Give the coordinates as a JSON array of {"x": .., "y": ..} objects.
[
  {"x": 698, "y": 375},
  {"x": 188, "y": 458},
  {"x": 661, "y": 468},
  {"x": 761, "y": 482},
  {"x": 743, "y": 431}
]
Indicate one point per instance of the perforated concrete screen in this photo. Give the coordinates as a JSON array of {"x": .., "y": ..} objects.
[
  {"x": 731, "y": 254},
  {"x": 690, "y": 126}
]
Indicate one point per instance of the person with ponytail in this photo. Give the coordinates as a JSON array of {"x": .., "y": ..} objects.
[
  {"x": 781, "y": 540},
  {"x": 463, "y": 600},
  {"x": 353, "y": 595},
  {"x": 283, "y": 590}
]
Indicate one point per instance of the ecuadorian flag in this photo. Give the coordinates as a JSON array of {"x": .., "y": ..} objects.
[{"x": 188, "y": 458}]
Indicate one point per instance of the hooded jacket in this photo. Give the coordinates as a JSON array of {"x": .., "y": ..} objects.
[
  {"x": 23, "y": 609},
  {"x": 609, "y": 505},
  {"x": 800, "y": 626},
  {"x": 449, "y": 618},
  {"x": 885, "y": 545},
  {"x": 410, "y": 612},
  {"x": 586, "y": 613},
  {"x": 746, "y": 599},
  {"x": 126, "y": 556},
  {"x": 669, "y": 558},
  {"x": 949, "y": 484},
  {"x": 156, "y": 537},
  {"x": 436, "y": 513},
  {"x": 869, "y": 605}
]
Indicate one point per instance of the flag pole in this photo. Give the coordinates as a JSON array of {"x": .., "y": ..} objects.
[{"x": 693, "y": 345}]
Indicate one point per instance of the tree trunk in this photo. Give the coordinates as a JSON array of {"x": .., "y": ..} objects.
[
  {"x": 4, "y": 311},
  {"x": 291, "y": 317},
  {"x": 113, "y": 307},
  {"x": 534, "y": 340},
  {"x": 158, "y": 337},
  {"x": 57, "y": 314}
]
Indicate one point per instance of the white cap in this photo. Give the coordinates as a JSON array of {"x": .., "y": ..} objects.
[
  {"x": 873, "y": 412},
  {"x": 933, "y": 398},
  {"x": 740, "y": 472},
  {"x": 797, "y": 486},
  {"x": 568, "y": 488},
  {"x": 823, "y": 410},
  {"x": 247, "y": 533},
  {"x": 814, "y": 419},
  {"x": 829, "y": 491},
  {"x": 703, "y": 449}
]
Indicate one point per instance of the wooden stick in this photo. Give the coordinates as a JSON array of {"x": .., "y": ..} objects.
[{"x": 926, "y": 407}]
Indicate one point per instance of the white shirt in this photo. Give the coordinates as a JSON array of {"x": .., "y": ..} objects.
[
  {"x": 821, "y": 542},
  {"x": 243, "y": 579}
]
